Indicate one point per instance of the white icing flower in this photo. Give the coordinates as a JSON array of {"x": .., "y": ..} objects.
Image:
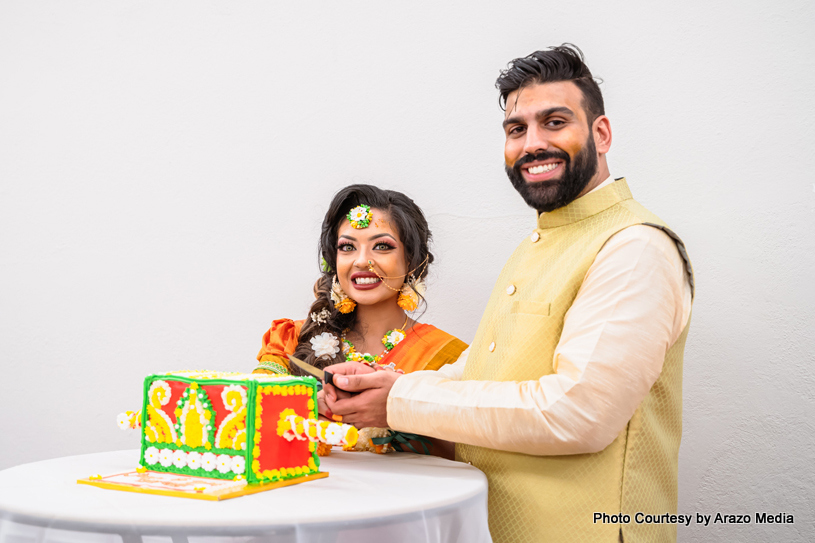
[
  {"x": 194, "y": 460},
  {"x": 165, "y": 457},
  {"x": 238, "y": 465},
  {"x": 179, "y": 459},
  {"x": 123, "y": 421},
  {"x": 208, "y": 461},
  {"x": 333, "y": 434},
  {"x": 150, "y": 456},
  {"x": 325, "y": 344},
  {"x": 224, "y": 463}
]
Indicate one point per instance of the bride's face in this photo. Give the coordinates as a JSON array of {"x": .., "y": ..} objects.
[{"x": 379, "y": 242}]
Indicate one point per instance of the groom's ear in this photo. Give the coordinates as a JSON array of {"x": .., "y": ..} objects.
[{"x": 601, "y": 132}]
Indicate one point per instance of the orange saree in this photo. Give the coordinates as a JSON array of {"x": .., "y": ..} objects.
[{"x": 425, "y": 347}]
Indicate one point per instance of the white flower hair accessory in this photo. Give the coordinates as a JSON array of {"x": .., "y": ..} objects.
[
  {"x": 322, "y": 316},
  {"x": 325, "y": 344}
]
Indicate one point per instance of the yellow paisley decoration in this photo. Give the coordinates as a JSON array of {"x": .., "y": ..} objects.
[
  {"x": 159, "y": 427},
  {"x": 232, "y": 431}
]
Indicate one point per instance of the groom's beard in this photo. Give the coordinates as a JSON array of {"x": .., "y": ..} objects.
[{"x": 555, "y": 193}]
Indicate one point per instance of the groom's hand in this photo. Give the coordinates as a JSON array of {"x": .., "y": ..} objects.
[
  {"x": 367, "y": 408},
  {"x": 344, "y": 368}
]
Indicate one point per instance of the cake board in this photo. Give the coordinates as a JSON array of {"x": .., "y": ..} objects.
[{"x": 187, "y": 486}]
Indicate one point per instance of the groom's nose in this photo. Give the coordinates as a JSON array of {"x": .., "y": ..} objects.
[{"x": 535, "y": 141}]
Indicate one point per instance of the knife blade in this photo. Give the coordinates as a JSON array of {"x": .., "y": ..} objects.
[{"x": 322, "y": 375}]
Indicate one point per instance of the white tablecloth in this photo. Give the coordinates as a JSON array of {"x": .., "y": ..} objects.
[{"x": 391, "y": 498}]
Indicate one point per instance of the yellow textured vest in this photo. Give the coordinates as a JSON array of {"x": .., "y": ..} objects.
[{"x": 553, "y": 498}]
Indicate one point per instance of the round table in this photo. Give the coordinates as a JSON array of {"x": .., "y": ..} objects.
[{"x": 367, "y": 497}]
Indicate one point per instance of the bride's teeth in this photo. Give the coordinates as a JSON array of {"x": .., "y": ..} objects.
[{"x": 366, "y": 280}]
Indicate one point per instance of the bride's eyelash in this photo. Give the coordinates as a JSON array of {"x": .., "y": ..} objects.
[
  {"x": 388, "y": 245},
  {"x": 341, "y": 246}
]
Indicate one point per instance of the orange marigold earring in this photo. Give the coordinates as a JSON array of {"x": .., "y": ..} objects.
[
  {"x": 342, "y": 302},
  {"x": 408, "y": 298}
]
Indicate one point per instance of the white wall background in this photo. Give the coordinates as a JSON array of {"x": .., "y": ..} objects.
[{"x": 164, "y": 168}]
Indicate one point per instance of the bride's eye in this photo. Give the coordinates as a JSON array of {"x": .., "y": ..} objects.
[
  {"x": 382, "y": 246},
  {"x": 345, "y": 247}
]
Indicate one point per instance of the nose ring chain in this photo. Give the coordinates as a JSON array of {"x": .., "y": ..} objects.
[{"x": 382, "y": 278}]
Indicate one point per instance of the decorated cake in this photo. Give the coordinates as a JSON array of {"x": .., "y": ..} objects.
[{"x": 255, "y": 428}]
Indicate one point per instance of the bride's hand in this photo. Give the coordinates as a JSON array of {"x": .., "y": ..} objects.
[{"x": 323, "y": 410}]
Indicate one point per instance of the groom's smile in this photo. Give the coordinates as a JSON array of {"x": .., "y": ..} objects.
[{"x": 541, "y": 171}]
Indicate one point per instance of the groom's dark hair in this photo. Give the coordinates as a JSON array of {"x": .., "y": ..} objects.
[{"x": 559, "y": 63}]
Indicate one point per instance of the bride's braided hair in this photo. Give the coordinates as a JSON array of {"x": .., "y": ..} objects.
[{"x": 414, "y": 233}]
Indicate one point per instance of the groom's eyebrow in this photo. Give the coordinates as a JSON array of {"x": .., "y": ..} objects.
[{"x": 540, "y": 115}]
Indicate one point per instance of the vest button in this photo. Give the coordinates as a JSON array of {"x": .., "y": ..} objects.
[
  {"x": 535, "y": 237},
  {"x": 511, "y": 290},
  {"x": 491, "y": 347}
]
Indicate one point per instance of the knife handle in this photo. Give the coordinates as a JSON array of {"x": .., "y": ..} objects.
[{"x": 328, "y": 378}]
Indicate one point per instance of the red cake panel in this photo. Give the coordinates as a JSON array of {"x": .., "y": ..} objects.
[
  {"x": 177, "y": 388},
  {"x": 275, "y": 451}
]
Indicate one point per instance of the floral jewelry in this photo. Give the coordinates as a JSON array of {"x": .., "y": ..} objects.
[
  {"x": 325, "y": 344},
  {"x": 360, "y": 216},
  {"x": 408, "y": 298},
  {"x": 391, "y": 339},
  {"x": 321, "y": 317},
  {"x": 342, "y": 302},
  {"x": 324, "y": 265}
]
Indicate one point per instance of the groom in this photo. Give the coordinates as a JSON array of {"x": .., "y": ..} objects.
[{"x": 570, "y": 396}]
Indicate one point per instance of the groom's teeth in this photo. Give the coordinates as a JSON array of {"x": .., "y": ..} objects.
[
  {"x": 366, "y": 280},
  {"x": 534, "y": 170}
]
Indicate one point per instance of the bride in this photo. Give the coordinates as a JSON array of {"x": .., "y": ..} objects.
[{"x": 374, "y": 260}]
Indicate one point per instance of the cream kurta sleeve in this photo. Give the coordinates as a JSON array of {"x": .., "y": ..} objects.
[{"x": 632, "y": 306}]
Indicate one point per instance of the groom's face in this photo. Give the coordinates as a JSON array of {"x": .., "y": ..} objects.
[{"x": 549, "y": 152}]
